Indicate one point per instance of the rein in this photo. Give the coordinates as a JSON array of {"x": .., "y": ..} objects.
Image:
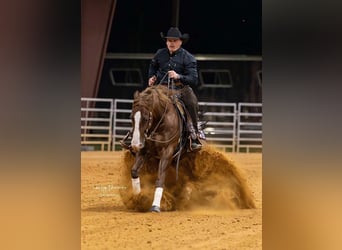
[
  {"x": 149, "y": 137},
  {"x": 169, "y": 80},
  {"x": 157, "y": 126}
]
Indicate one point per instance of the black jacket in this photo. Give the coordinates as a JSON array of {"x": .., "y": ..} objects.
[{"x": 181, "y": 61}]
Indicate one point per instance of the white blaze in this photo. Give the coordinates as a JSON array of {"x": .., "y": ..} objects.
[{"x": 136, "y": 131}]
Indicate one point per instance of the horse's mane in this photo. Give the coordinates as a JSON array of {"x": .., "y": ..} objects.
[{"x": 155, "y": 97}]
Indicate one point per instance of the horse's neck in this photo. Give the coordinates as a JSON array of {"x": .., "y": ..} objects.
[
  {"x": 158, "y": 114},
  {"x": 161, "y": 106},
  {"x": 157, "y": 101}
]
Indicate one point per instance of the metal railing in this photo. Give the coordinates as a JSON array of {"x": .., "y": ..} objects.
[
  {"x": 231, "y": 127},
  {"x": 122, "y": 121},
  {"x": 249, "y": 127},
  {"x": 96, "y": 123},
  {"x": 221, "y": 124}
]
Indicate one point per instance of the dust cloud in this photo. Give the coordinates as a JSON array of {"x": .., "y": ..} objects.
[{"x": 206, "y": 180}]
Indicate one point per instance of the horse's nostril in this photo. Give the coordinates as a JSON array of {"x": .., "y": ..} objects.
[{"x": 137, "y": 146}]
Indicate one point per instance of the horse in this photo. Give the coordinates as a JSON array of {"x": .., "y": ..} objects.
[{"x": 157, "y": 132}]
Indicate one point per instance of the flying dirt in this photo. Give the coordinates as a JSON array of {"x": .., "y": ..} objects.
[{"x": 206, "y": 179}]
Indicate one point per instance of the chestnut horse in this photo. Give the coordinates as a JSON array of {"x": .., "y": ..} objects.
[{"x": 157, "y": 132}]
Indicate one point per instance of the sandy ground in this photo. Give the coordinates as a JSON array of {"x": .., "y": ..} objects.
[{"x": 106, "y": 223}]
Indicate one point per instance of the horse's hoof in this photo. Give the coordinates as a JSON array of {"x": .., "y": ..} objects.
[{"x": 155, "y": 209}]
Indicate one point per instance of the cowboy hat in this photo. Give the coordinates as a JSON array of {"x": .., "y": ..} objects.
[{"x": 174, "y": 33}]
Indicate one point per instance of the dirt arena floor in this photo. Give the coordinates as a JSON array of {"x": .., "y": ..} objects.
[{"x": 106, "y": 223}]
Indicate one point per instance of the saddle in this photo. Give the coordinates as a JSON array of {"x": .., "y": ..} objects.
[
  {"x": 184, "y": 133},
  {"x": 184, "y": 117}
]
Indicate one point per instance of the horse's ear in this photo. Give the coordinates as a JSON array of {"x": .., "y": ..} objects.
[{"x": 136, "y": 94}]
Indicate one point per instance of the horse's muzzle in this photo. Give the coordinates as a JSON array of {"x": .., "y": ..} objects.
[{"x": 137, "y": 146}]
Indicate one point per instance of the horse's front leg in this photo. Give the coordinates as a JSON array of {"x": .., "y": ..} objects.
[
  {"x": 139, "y": 162},
  {"x": 158, "y": 193}
]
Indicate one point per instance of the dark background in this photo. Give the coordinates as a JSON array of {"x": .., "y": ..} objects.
[
  {"x": 219, "y": 28},
  {"x": 215, "y": 27}
]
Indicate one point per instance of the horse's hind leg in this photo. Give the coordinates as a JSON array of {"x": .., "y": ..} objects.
[{"x": 139, "y": 162}]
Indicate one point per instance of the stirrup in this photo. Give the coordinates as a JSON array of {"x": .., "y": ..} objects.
[{"x": 195, "y": 145}]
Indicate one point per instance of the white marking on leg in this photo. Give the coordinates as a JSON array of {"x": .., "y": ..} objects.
[
  {"x": 188, "y": 192},
  {"x": 136, "y": 131},
  {"x": 157, "y": 196},
  {"x": 136, "y": 185}
]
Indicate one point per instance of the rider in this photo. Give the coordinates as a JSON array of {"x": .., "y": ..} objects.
[
  {"x": 180, "y": 66},
  {"x": 174, "y": 63}
]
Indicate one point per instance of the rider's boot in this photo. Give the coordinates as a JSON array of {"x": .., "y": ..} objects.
[
  {"x": 195, "y": 144},
  {"x": 200, "y": 127},
  {"x": 126, "y": 141}
]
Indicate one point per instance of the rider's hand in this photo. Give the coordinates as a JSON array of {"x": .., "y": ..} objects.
[
  {"x": 152, "y": 80},
  {"x": 173, "y": 75}
]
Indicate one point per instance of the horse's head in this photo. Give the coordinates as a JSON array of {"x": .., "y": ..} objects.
[{"x": 142, "y": 121}]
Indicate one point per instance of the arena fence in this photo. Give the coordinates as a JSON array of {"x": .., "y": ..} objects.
[
  {"x": 249, "y": 127},
  {"x": 231, "y": 127},
  {"x": 96, "y": 124}
]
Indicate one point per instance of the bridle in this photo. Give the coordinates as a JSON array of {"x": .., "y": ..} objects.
[
  {"x": 149, "y": 124},
  {"x": 149, "y": 135}
]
